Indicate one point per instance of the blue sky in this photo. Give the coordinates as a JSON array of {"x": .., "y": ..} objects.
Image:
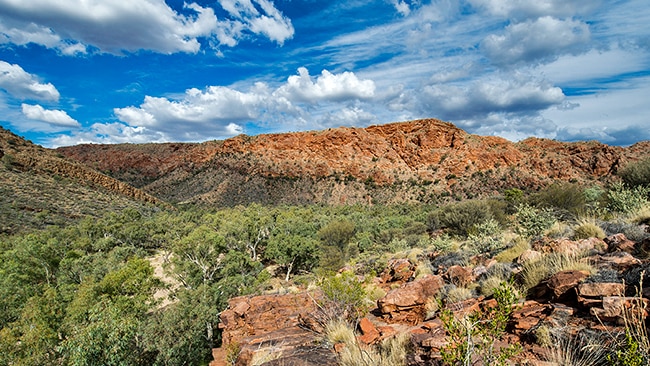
[{"x": 113, "y": 71}]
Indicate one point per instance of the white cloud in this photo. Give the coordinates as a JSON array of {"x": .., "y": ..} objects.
[
  {"x": 509, "y": 94},
  {"x": 538, "y": 40},
  {"x": 23, "y": 85},
  {"x": 114, "y": 25},
  {"x": 328, "y": 87},
  {"x": 519, "y": 9},
  {"x": 595, "y": 64},
  {"x": 54, "y": 117},
  {"x": 108, "y": 133},
  {"x": 219, "y": 112},
  {"x": 402, "y": 7}
]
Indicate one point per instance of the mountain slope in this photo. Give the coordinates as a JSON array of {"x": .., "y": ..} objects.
[
  {"x": 39, "y": 187},
  {"x": 419, "y": 160}
]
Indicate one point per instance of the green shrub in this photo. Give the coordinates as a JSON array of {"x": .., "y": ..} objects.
[
  {"x": 565, "y": 197},
  {"x": 461, "y": 218},
  {"x": 588, "y": 228},
  {"x": 345, "y": 296},
  {"x": 532, "y": 222},
  {"x": 477, "y": 333},
  {"x": 626, "y": 200},
  {"x": 486, "y": 237},
  {"x": 636, "y": 174}
]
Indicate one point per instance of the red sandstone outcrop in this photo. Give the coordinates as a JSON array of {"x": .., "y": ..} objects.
[{"x": 350, "y": 165}]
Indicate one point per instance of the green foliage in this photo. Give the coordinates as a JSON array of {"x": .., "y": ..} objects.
[
  {"x": 564, "y": 197},
  {"x": 474, "y": 336},
  {"x": 626, "y": 200},
  {"x": 486, "y": 237},
  {"x": 636, "y": 174},
  {"x": 345, "y": 296},
  {"x": 532, "y": 222},
  {"x": 586, "y": 230},
  {"x": 629, "y": 355},
  {"x": 462, "y": 217}
]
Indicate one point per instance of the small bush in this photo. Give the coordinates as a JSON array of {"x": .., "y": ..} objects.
[
  {"x": 462, "y": 217},
  {"x": 475, "y": 335},
  {"x": 566, "y": 197},
  {"x": 636, "y": 174},
  {"x": 534, "y": 272},
  {"x": 485, "y": 238},
  {"x": 345, "y": 296},
  {"x": 532, "y": 222},
  {"x": 588, "y": 229},
  {"x": 626, "y": 200}
]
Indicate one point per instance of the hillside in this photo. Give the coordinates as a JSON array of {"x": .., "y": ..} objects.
[
  {"x": 39, "y": 187},
  {"x": 422, "y": 160}
]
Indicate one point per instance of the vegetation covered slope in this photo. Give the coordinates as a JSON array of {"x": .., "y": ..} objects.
[
  {"x": 39, "y": 187},
  {"x": 417, "y": 161}
]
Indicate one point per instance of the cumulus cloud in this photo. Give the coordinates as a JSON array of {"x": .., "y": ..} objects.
[
  {"x": 114, "y": 26},
  {"x": 23, "y": 85},
  {"x": 54, "y": 117},
  {"x": 328, "y": 86},
  {"x": 109, "y": 133},
  {"x": 542, "y": 39},
  {"x": 221, "y": 111}
]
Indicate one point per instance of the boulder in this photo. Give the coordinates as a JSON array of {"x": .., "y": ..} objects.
[
  {"x": 270, "y": 327},
  {"x": 618, "y": 242},
  {"x": 459, "y": 276},
  {"x": 560, "y": 283},
  {"x": 398, "y": 270},
  {"x": 406, "y": 304},
  {"x": 618, "y": 260},
  {"x": 369, "y": 333}
]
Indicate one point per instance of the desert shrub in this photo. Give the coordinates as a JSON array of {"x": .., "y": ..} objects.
[
  {"x": 575, "y": 350},
  {"x": 636, "y": 174},
  {"x": 532, "y": 222},
  {"x": 605, "y": 275},
  {"x": 475, "y": 335},
  {"x": 345, "y": 296},
  {"x": 588, "y": 228},
  {"x": 626, "y": 200},
  {"x": 631, "y": 231},
  {"x": 461, "y": 218},
  {"x": 452, "y": 294},
  {"x": 486, "y": 237},
  {"x": 568, "y": 198},
  {"x": 534, "y": 272},
  {"x": 517, "y": 247},
  {"x": 390, "y": 352},
  {"x": 447, "y": 260},
  {"x": 559, "y": 230}
]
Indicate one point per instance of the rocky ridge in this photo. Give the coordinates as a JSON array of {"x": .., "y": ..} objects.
[
  {"x": 65, "y": 188},
  {"x": 422, "y": 160}
]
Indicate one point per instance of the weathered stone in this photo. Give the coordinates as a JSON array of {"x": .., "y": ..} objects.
[
  {"x": 619, "y": 261},
  {"x": 369, "y": 333},
  {"x": 618, "y": 242},
  {"x": 459, "y": 276},
  {"x": 259, "y": 322},
  {"x": 406, "y": 303},
  {"x": 528, "y": 255},
  {"x": 564, "y": 281},
  {"x": 600, "y": 289},
  {"x": 398, "y": 270}
]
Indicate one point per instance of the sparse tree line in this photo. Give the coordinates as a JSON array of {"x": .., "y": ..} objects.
[{"x": 84, "y": 294}]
